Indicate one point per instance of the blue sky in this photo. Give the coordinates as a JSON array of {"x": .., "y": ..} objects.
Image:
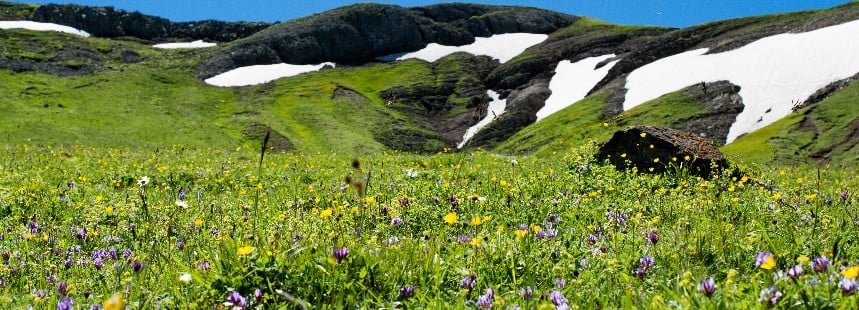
[{"x": 674, "y": 13}]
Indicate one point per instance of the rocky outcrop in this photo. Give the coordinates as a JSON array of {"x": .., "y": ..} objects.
[
  {"x": 522, "y": 107},
  {"x": 359, "y": 33},
  {"x": 111, "y": 23},
  {"x": 657, "y": 150},
  {"x": 722, "y": 102}
]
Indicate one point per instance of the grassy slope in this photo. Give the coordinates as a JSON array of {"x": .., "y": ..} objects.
[{"x": 789, "y": 142}]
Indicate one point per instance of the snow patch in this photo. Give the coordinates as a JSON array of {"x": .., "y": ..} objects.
[
  {"x": 260, "y": 74},
  {"x": 774, "y": 73},
  {"x": 195, "y": 44},
  {"x": 500, "y": 46},
  {"x": 30, "y": 25},
  {"x": 573, "y": 81},
  {"x": 495, "y": 109}
]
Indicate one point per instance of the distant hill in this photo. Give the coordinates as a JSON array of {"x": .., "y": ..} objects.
[{"x": 116, "y": 89}]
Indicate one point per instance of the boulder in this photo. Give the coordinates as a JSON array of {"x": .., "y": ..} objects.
[{"x": 653, "y": 149}]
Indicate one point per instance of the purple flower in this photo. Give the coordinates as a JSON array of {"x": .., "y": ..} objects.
[
  {"x": 707, "y": 287},
  {"x": 81, "y": 233},
  {"x": 646, "y": 261},
  {"x": 828, "y": 201},
  {"x": 640, "y": 272},
  {"x": 540, "y": 234},
  {"x": 182, "y": 194},
  {"x": 65, "y": 304},
  {"x": 94, "y": 307},
  {"x": 396, "y": 221},
  {"x": 848, "y": 286},
  {"x": 485, "y": 300},
  {"x": 406, "y": 292},
  {"x": 526, "y": 292},
  {"x": 62, "y": 288},
  {"x": 558, "y": 298},
  {"x": 463, "y": 239},
  {"x": 770, "y": 296},
  {"x": 137, "y": 266},
  {"x": 653, "y": 237},
  {"x": 34, "y": 227},
  {"x": 844, "y": 195},
  {"x": 592, "y": 239},
  {"x": 795, "y": 271},
  {"x": 257, "y": 295},
  {"x": 469, "y": 282},
  {"x": 97, "y": 263},
  {"x": 820, "y": 264},
  {"x": 340, "y": 253},
  {"x": 236, "y": 300},
  {"x": 552, "y": 233},
  {"x": 560, "y": 283}
]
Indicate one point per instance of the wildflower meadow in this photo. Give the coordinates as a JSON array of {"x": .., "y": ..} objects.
[{"x": 179, "y": 227}]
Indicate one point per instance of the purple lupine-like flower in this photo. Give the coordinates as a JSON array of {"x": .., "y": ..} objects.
[
  {"x": 552, "y": 233},
  {"x": 126, "y": 253},
  {"x": 770, "y": 296},
  {"x": 112, "y": 252},
  {"x": 583, "y": 262},
  {"x": 69, "y": 262},
  {"x": 65, "y": 303},
  {"x": 540, "y": 234},
  {"x": 469, "y": 282},
  {"x": 406, "y": 292},
  {"x": 848, "y": 286},
  {"x": 652, "y": 237},
  {"x": 820, "y": 264},
  {"x": 463, "y": 239},
  {"x": 87, "y": 293},
  {"x": 526, "y": 292},
  {"x": 34, "y": 227},
  {"x": 97, "y": 263},
  {"x": 94, "y": 307},
  {"x": 523, "y": 227},
  {"x": 828, "y": 201},
  {"x": 62, "y": 288},
  {"x": 558, "y": 298},
  {"x": 592, "y": 239},
  {"x": 340, "y": 253},
  {"x": 844, "y": 196},
  {"x": 396, "y": 221},
  {"x": 182, "y": 194},
  {"x": 137, "y": 266},
  {"x": 560, "y": 283},
  {"x": 204, "y": 266},
  {"x": 795, "y": 271},
  {"x": 453, "y": 201},
  {"x": 640, "y": 272},
  {"x": 257, "y": 295},
  {"x": 180, "y": 244},
  {"x": 646, "y": 261},
  {"x": 485, "y": 300},
  {"x": 81, "y": 233},
  {"x": 236, "y": 300},
  {"x": 707, "y": 287}
]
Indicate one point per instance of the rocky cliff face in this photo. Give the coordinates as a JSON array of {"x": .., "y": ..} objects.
[
  {"x": 107, "y": 22},
  {"x": 359, "y": 33}
]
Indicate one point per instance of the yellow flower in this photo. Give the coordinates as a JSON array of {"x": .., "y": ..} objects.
[
  {"x": 605, "y": 124},
  {"x": 326, "y": 213},
  {"x": 450, "y": 218},
  {"x": 656, "y": 160},
  {"x": 798, "y": 180},
  {"x": 108, "y": 209},
  {"x": 686, "y": 158},
  {"x": 476, "y": 220},
  {"x": 536, "y": 228},
  {"x": 503, "y": 183},
  {"x": 769, "y": 263},
  {"x": 245, "y": 250},
  {"x": 475, "y": 241},
  {"x": 370, "y": 199},
  {"x": 802, "y": 259},
  {"x": 116, "y": 302},
  {"x": 521, "y": 233},
  {"x": 851, "y": 272},
  {"x": 198, "y": 222},
  {"x": 643, "y": 134},
  {"x": 623, "y": 155}
]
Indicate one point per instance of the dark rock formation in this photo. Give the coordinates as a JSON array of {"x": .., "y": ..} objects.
[
  {"x": 723, "y": 103},
  {"x": 826, "y": 91},
  {"x": 522, "y": 107},
  {"x": 359, "y": 33},
  {"x": 107, "y": 22},
  {"x": 631, "y": 147}
]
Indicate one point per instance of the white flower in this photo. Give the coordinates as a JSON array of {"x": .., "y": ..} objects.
[
  {"x": 143, "y": 181},
  {"x": 180, "y": 203},
  {"x": 481, "y": 198},
  {"x": 514, "y": 162},
  {"x": 185, "y": 277},
  {"x": 411, "y": 173}
]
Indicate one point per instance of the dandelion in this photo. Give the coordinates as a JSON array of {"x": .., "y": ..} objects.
[
  {"x": 851, "y": 272},
  {"x": 707, "y": 287},
  {"x": 643, "y": 134},
  {"x": 116, "y": 302},
  {"x": 245, "y": 250},
  {"x": 770, "y": 296},
  {"x": 820, "y": 264},
  {"x": 185, "y": 277},
  {"x": 765, "y": 260},
  {"x": 521, "y": 233},
  {"x": 340, "y": 253},
  {"x": 143, "y": 181},
  {"x": 450, "y": 218},
  {"x": 326, "y": 213}
]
